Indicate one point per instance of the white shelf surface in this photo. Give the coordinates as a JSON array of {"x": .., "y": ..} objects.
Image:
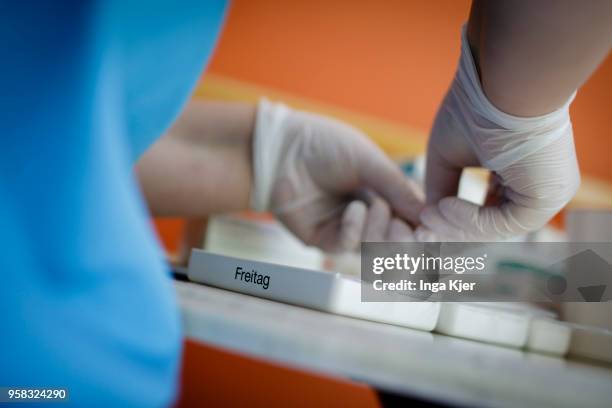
[{"x": 397, "y": 359}]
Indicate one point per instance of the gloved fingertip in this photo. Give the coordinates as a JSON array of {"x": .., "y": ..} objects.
[
  {"x": 399, "y": 231},
  {"x": 377, "y": 220},
  {"x": 429, "y": 215},
  {"x": 413, "y": 202},
  {"x": 437, "y": 223},
  {"x": 458, "y": 210},
  {"x": 352, "y": 225},
  {"x": 423, "y": 234},
  {"x": 355, "y": 210}
]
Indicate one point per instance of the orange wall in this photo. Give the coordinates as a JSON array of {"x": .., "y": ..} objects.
[{"x": 392, "y": 59}]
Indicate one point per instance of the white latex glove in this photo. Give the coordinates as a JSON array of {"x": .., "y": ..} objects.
[
  {"x": 327, "y": 182},
  {"x": 533, "y": 160}
]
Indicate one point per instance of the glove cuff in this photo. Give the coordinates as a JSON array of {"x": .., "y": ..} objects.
[
  {"x": 502, "y": 138},
  {"x": 267, "y": 145}
]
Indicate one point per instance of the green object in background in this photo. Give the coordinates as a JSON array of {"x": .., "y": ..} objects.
[{"x": 512, "y": 267}]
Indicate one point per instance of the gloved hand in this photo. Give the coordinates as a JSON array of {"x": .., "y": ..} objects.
[
  {"x": 532, "y": 159},
  {"x": 327, "y": 182}
]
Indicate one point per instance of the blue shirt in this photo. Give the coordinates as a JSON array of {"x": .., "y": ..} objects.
[{"x": 85, "y": 87}]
